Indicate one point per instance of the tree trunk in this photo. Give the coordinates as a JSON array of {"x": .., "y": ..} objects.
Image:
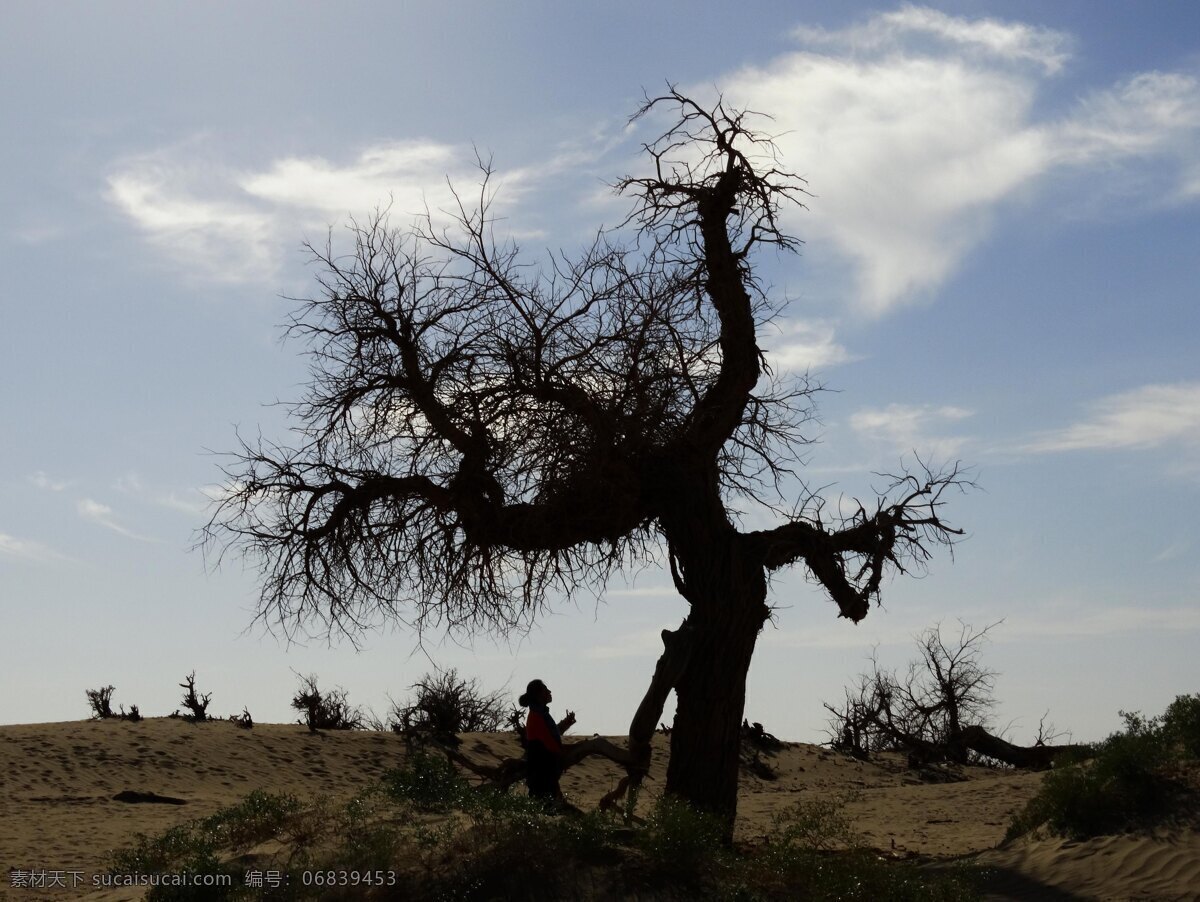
[
  {"x": 1034, "y": 757},
  {"x": 727, "y": 591}
]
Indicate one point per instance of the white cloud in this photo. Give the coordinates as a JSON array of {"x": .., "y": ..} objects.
[
  {"x": 226, "y": 240},
  {"x": 646, "y": 644},
  {"x": 914, "y": 128},
  {"x": 1190, "y": 185},
  {"x": 912, "y": 145},
  {"x": 102, "y": 515},
  {"x": 1146, "y": 417},
  {"x": 42, "y": 481},
  {"x": 910, "y": 428},
  {"x": 1013, "y": 41},
  {"x": 800, "y": 346},
  {"x": 405, "y": 174},
  {"x": 1172, "y": 551},
  {"x": 192, "y": 501},
  {"x": 236, "y": 226},
  {"x": 646, "y": 592},
  {"x": 1056, "y": 620},
  {"x": 1149, "y": 114},
  {"x": 834, "y": 633},
  {"x": 27, "y": 550},
  {"x": 39, "y": 234}
]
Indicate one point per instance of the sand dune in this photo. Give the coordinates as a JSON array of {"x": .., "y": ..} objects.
[{"x": 58, "y": 813}]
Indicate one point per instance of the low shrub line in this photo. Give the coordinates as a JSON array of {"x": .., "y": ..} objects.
[{"x": 438, "y": 837}]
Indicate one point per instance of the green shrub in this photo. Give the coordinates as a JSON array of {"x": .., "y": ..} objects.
[
  {"x": 188, "y": 849},
  {"x": 815, "y": 826},
  {"x": 496, "y": 845},
  {"x": 159, "y": 854},
  {"x": 590, "y": 835},
  {"x": 813, "y": 852},
  {"x": 258, "y": 817},
  {"x": 428, "y": 781},
  {"x": 194, "y": 847},
  {"x": 1181, "y": 724},
  {"x": 683, "y": 842},
  {"x": 1125, "y": 783},
  {"x": 367, "y": 844}
]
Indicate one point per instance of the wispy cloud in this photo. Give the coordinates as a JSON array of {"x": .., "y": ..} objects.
[
  {"x": 223, "y": 239},
  {"x": 27, "y": 550},
  {"x": 103, "y": 515},
  {"x": 1056, "y": 620},
  {"x": 39, "y": 234},
  {"x": 43, "y": 481},
  {"x": 801, "y": 346},
  {"x": 1171, "y": 552},
  {"x": 235, "y": 226},
  {"x": 916, "y": 127},
  {"x": 646, "y": 644},
  {"x": 1152, "y": 114},
  {"x": 905, "y": 428},
  {"x": 1013, "y": 41},
  {"x": 836, "y": 634},
  {"x": 645, "y": 592},
  {"x": 1083, "y": 623},
  {"x": 188, "y": 501},
  {"x": 1148, "y": 417},
  {"x": 408, "y": 176}
]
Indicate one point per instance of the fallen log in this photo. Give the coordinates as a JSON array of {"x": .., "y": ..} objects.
[{"x": 1033, "y": 757}]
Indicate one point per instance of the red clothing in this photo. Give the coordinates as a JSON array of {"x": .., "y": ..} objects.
[{"x": 537, "y": 730}]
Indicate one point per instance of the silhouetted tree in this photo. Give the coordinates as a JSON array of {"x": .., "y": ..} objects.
[
  {"x": 479, "y": 433},
  {"x": 938, "y": 710},
  {"x": 195, "y": 702}
]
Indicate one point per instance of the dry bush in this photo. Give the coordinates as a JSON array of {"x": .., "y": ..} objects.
[
  {"x": 325, "y": 710},
  {"x": 446, "y": 704},
  {"x": 100, "y": 701}
]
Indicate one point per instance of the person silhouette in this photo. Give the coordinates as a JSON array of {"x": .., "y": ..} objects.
[{"x": 543, "y": 742}]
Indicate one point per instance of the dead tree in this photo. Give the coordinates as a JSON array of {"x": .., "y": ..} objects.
[
  {"x": 939, "y": 710},
  {"x": 480, "y": 434},
  {"x": 197, "y": 704}
]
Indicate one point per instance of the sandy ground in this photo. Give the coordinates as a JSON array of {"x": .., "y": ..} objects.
[{"x": 58, "y": 815}]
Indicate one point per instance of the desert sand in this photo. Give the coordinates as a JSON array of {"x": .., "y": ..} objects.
[{"x": 58, "y": 813}]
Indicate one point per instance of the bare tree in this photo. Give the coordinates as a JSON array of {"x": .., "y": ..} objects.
[
  {"x": 925, "y": 710},
  {"x": 938, "y": 710},
  {"x": 480, "y": 433}
]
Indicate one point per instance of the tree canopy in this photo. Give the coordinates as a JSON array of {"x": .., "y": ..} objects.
[{"x": 480, "y": 432}]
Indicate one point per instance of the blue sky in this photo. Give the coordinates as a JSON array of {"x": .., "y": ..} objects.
[{"x": 1000, "y": 266}]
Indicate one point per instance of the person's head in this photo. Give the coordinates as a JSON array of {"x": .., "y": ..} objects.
[{"x": 536, "y": 693}]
